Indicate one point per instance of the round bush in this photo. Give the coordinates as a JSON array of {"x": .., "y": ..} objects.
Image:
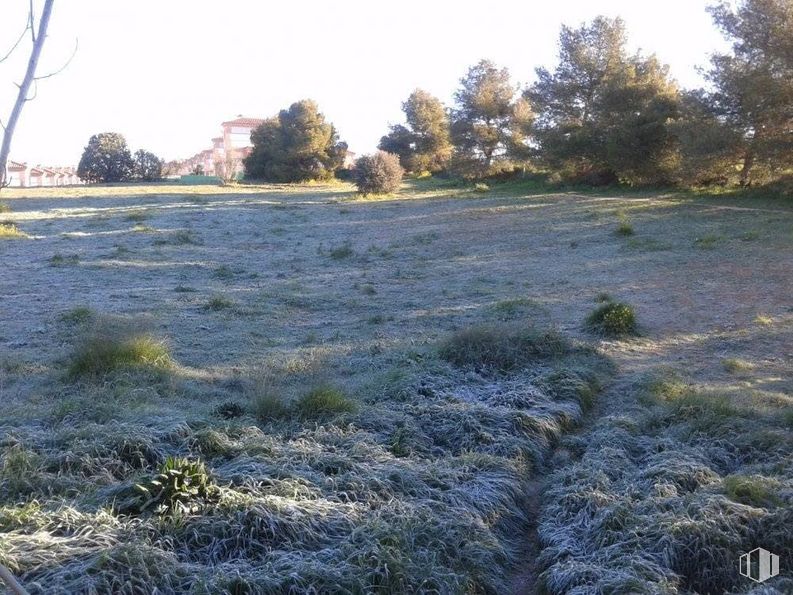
[
  {"x": 613, "y": 319},
  {"x": 379, "y": 173}
]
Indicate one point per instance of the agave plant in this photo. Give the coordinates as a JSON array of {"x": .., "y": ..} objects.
[{"x": 180, "y": 485}]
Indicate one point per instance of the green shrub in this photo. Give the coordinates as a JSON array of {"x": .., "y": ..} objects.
[
  {"x": 708, "y": 413},
  {"x": 107, "y": 350},
  {"x": 612, "y": 319},
  {"x": 481, "y": 187},
  {"x": 180, "y": 486},
  {"x": 323, "y": 401},
  {"x": 4, "y": 208},
  {"x": 513, "y": 308},
  {"x": 574, "y": 384},
  {"x": 379, "y": 173},
  {"x": 500, "y": 348}
]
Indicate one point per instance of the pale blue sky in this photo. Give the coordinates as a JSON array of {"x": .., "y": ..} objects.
[{"x": 166, "y": 73}]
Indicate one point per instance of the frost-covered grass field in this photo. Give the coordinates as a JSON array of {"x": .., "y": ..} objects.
[{"x": 288, "y": 389}]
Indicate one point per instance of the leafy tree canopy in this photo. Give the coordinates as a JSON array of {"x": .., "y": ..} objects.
[
  {"x": 106, "y": 158},
  {"x": 604, "y": 114},
  {"x": 425, "y": 143},
  {"x": 483, "y": 116},
  {"x": 148, "y": 167},
  {"x": 296, "y": 145},
  {"x": 753, "y": 85}
]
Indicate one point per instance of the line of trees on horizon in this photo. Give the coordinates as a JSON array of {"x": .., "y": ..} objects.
[{"x": 602, "y": 116}]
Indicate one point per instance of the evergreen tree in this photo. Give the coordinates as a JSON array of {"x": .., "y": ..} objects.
[
  {"x": 482, "y": 118},
  {"x": 296, "y": 145},
  {"x": 106, "y": 158},
  {"x": 425, "y": 143},
  {"x": 753, "y": 85},
  {"x": 603, "y": 115},
  {"x": 148, "y": 167}
]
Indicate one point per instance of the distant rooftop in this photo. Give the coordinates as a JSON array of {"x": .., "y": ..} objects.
[{"x": 243, "y": 121}]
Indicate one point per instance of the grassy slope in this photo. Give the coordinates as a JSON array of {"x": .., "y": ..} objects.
[{"x": 421, "y": 483}]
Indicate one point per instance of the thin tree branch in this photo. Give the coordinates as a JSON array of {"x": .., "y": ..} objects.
[
  {"x": 13, "y": 47},
  {"x": 32, "y": 23},
  {"x": 24, "y": 88},
  {"x": 62, "y": 68},
  {"x": 35, "y": 91}
]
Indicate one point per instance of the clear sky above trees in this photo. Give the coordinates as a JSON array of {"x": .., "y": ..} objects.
[{"x": 166, "y": 73}]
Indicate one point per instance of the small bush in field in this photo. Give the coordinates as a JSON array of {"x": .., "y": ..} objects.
[
  {"x": 612, "y": 319},
  {"x": 379, "y": 173}
]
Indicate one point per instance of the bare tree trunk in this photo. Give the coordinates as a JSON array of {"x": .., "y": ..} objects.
[
  {"x": 746, "y": 170},
  {"x": 24, "y": 88}
]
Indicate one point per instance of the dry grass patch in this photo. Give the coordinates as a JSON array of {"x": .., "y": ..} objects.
[
  {"x": 111, "y": 346},
  {"x": 736, "y": 365},
  {"x": 9, "y": 231},
  {"x": 323, "y": 401}
]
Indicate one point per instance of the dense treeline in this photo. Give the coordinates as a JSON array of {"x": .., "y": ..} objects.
[{"x": 604, "y": 115}]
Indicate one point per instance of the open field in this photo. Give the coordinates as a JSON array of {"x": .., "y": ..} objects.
[{"x": 392, "y": 396}]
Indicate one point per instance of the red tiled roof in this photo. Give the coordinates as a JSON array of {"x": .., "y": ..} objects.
[
  {"x": 244, "y": 122},
  {"x": 16, "y": 165}
]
